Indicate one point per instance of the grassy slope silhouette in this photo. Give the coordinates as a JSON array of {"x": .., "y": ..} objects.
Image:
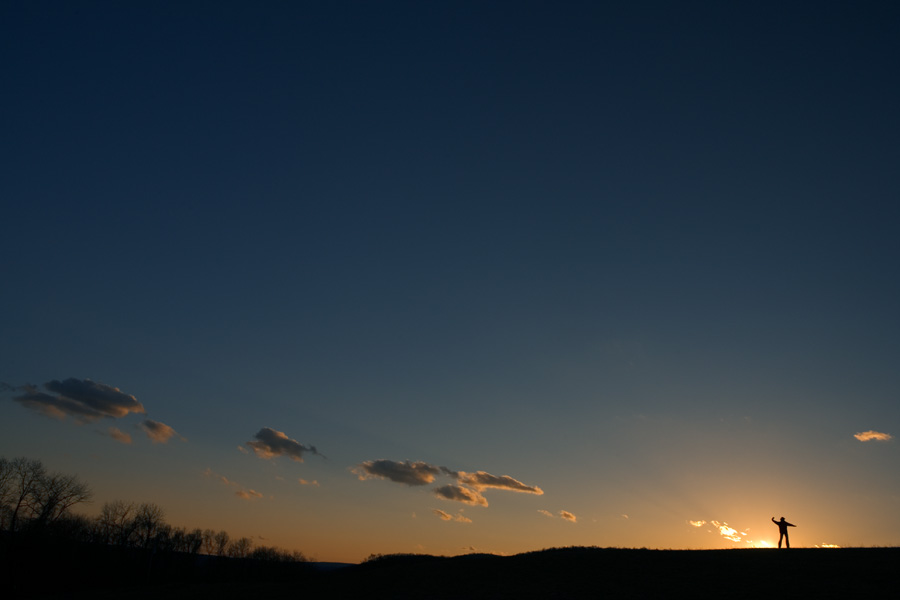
[{"x": 562, "y": 573}]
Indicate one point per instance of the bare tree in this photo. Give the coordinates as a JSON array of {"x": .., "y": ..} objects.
[
  {"x": 240, "y": 548},
  {"x": 115, "y": 523},
  {"x": 6, "y": 477},
  {"x": 209, "y": 543},
  {"x": 25, "y": 478},
  {"x": 220, "y": 543},
  {"x": 56, "y": 494},
  {"x": 147, "y": 522},
  {"x": 193, "y": 541}
]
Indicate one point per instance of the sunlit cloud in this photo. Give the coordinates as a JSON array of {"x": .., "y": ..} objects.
[
  {"x": 248, "y": 494},
  {"x": 467, "y": 489},
  {"x": 84, "y": 400},
  {"x": 563, "y": 514},
  {"x": 458, "y": 493},
  {"x": 459, "y": 518},
  {"x": 481, "y": 480},
  {"x": 869, "y": 436},
  {"x": 239, "y": 490},
  {"x": 728, "y": 532},
  {"x": 313, "y": 483},
  {"x": 268, "y": 443},
  {"x": 159, "y": 433},
  {"x": 119, "y": 435},
  {"x": 409, "y": 473}
]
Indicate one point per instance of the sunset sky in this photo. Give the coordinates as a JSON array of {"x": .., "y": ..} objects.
[{"x": 442, "y": 277}]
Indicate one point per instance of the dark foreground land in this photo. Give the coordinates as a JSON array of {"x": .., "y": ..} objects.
[{"x": 556, "y": 573}]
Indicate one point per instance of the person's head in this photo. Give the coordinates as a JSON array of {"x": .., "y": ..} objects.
[{"x": 782, "y": 518}]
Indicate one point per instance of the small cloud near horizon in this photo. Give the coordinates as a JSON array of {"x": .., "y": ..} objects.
[
  {"x": 697, "y": 523},
  {"x": 459, "y": 518},
  {"x": 869, "y": 436},
  {"x": 563, "y": 514},
  {"x": 119, "y": 435},
  {"x": 239, "y": 490},
  {"x": 269, "y": 443},
  {"x": 159, "y": 433}
]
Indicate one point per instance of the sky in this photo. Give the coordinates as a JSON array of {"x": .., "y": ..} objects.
[{"x": 448, "y": 277}]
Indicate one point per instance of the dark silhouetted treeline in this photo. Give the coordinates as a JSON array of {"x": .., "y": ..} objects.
[{"x": 126, "y": 545}]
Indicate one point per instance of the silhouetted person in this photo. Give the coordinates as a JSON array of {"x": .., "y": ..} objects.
[{"x": 782, "y": 529}]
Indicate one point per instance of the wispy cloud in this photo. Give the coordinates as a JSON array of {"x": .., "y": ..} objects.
[
  {"x": 458, "y": 493},
  {"x": 697, "y": 523},
  {"x": 481, "y": 480},
  {"x": 728, "y": 532},
  {"x": 239, "y": 490},
  {"x": 84, "y": 400},
  {"x": 159, "y": 433},
  {"x": 409, "y": 473},
  {"x": 248, "y": 494},
  {"x": 869, "y": 436},
  {"x": 459, "y": 518},
  {"x": 268, "y": 443},
  {"x": 119, "y": 435},
  {"x": 313, "y": 483},
  {"x": 723, "y": 529},
  {"x": 563, "y": 514}
]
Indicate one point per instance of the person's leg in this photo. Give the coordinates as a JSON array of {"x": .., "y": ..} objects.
[
  {"x": 787, "y": 541},
  {"x": 780, "y": 537}
]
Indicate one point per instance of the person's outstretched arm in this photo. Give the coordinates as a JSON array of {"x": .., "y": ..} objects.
[{"x": 789, "y": 524}]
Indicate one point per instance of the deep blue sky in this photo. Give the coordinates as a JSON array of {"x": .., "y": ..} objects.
[{"x": 456, "y": 232}]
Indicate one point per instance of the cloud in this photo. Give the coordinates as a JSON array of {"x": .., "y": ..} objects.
[
  {"x": 248, "y": 494},
  {"x": 57, "y": 407},
  {"x": 697, "y": 523},
  {"x": 728, "y": 532},
  {"x": 563, "y": 514},
  {"x": 868, "y": 436},
  {"x": 481, "y": 480},
  {"x": 119, "y": 435},
  {"x": 313, "y": 483},
  {"x": 82, "y": 399},
  {"x": 409, "y": 473},
  {"x": 460, "y": 494},
  {"x": 269, "y": 443},
  {"x": 239, "y": 490},
  {"x": 448, "y": 517},
  {"x": 159, "y": 433}
]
